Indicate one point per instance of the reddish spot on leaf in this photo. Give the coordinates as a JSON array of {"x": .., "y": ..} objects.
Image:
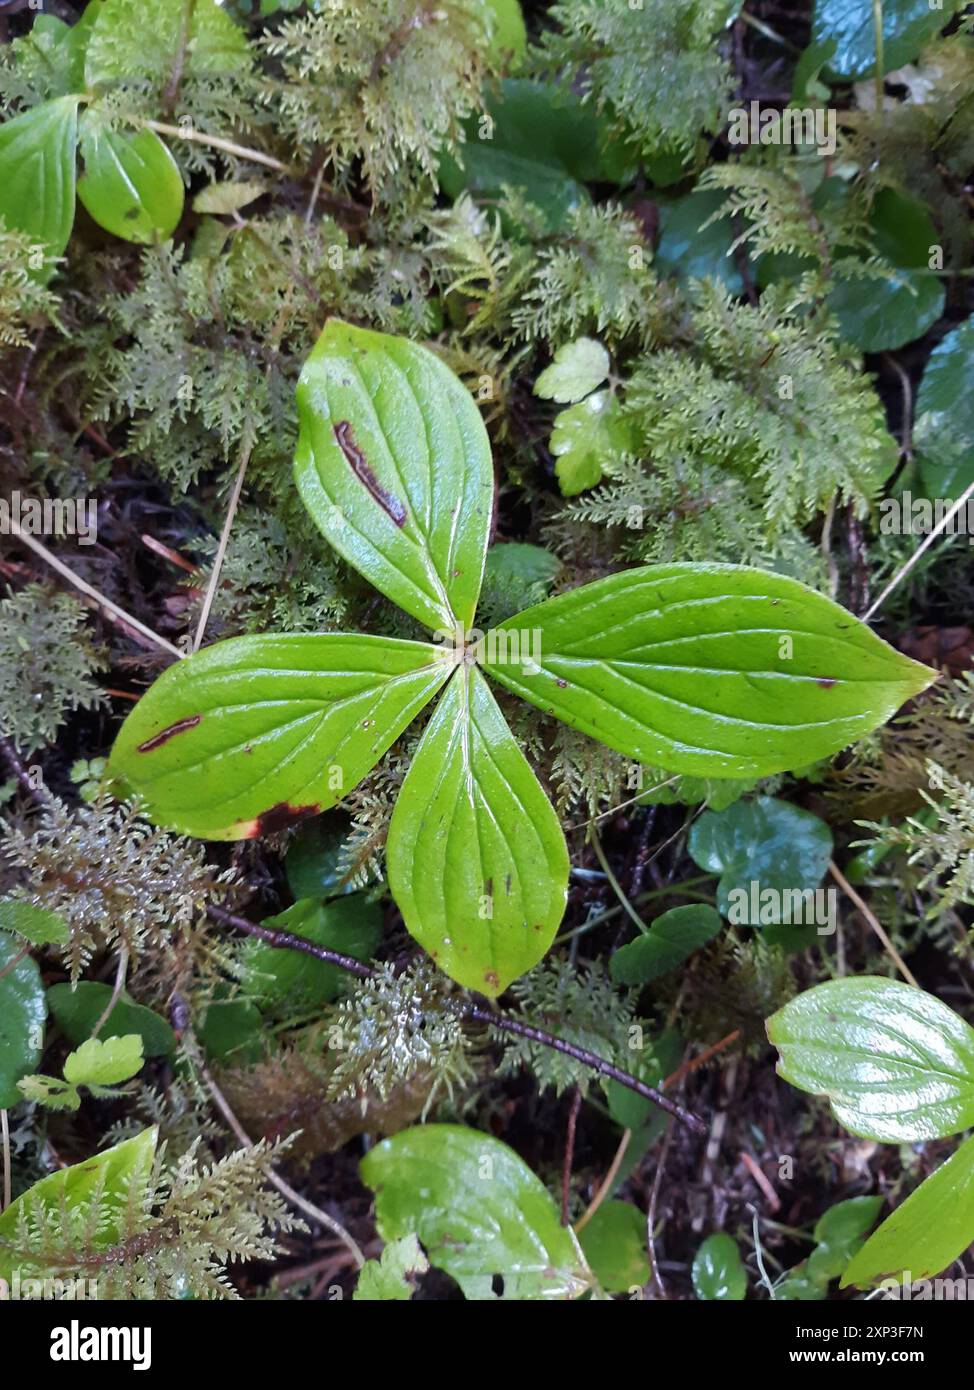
[
  {"x": 165, "y": 735},
  {"x": 346, "y": 442},
  {"x": 491, "y": 978},
  {"x": 826, "y": 682},
  {"x": 282, "y": 815}
]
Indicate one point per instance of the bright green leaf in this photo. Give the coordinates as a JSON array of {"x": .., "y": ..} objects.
[
  {"x": 50, "y": 1092},
  {"x": 713, "y": 670},
  {"x": 509, "y": 39},
  {"x": 77, "y": 1010},
  {"x": 211, "y": 43},
  {"x": 476, "y": 858},
  {"x": 38, "y": 925},
  {"x": 671, "y": 938},
  {"x": 614, "y": 1242},
  {"x": 778, "y": 847},
  {"x": 585, "y": 438},
  {"x": 104, "y": 1062},
  {"x": 282, "y": 977},
  {"x": 393, "y": 463},
  {"x": 22, "y": 1015},
  {"x": 479, "y": 1211},
  {"x": 117, "y": 1179},
  {"x": 840, "y": 1233},
  {"x": 717, "y": 1271},
  {"x": 577, "y": 369},
  {"x": 927, "y": 1232},
  {"x": 896, "y": 1063},
  {"x": 389, "y": 1277},
  {"x": 252, "y": 734},
  {"x": 131, "y": 185},
  {"x": 37, "y": 173}
]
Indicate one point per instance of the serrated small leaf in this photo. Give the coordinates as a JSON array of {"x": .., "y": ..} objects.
[
  {"x": 76, "y": 1011},
  {"x": 668, "y": 942},
  {"x": 118, "y": 1177},
  {"x": 50, "y": 1092},
  {"x": 221, "y": 199},
  {"x": 37, "y": 175},
  {"x": 712, "y": 670},
  {"x": 388, "y": 1279},
  {"x": 38, "y": 925},
  {"x": 476, "y": 858},
  {"x": 104, "y": 1062},
  {"x": 253, "y": 734},
  {"x": 896, "y": 1064},
  {"x": 131, "y": 185},
  {"x": 479, "y": 1211},
  {"x": 585, "y": 438},
  {"x": 578, "y": 368},
  {"x": 927, "y": 1232},
  {"x": 22, "y": 1015},
  {"x": 717, "y": 1271},
  {"x": 393, "y": 463}
]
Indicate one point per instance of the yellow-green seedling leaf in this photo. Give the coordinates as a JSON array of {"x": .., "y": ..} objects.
[
  {"x": 115, "y": 1181},
  {"x": 278, "y": 978},
  {"x": 22, "y": 1015},
  {"x": 577, "y": 369},
  {"x": 222, "y": 199},
  {"x": 389, "y": 1278},
  {"x": 38, "y": 925},
  {"x": 509, "y": 35},
  {"x": 76, "y": 1009},
  {"x": 896, "y": 1064},
  {"x": 131, "y": 185},
  {"x": 669, "y": 941},
  {"x": 37, "y": 178},
  {"x": 712, "y": 670},
  {"x": 479, "y": 1212},
  {"x": 476, "y": 858},
  {"x": 99, "y": 1063},
  {"x": 614, "y": 1242},
  {"x": 254, "y": 734},
  {"x": 931, "y": 1229},
  {"x": 585, "y": 438},
  {"x": 717, "y": 1271},
  {"x": 50, "y": 1092},
  {"x": 393, "y": 463}
]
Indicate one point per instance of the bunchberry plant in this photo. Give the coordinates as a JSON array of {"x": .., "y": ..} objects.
[{"x": 709, "y": 670}]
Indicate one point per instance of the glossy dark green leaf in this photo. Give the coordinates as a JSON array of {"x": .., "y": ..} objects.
[
  {"x": 77, "y": 1010},
  {"x": 37, "y": 180},
  {"x": 478, "y": 1210},
  {"x": 209, "y": 43},
  {"x": 651, "y": 1064},
  {"x": 927, "y": 1232},
  {"x": 117, "y": 1178},
  {"x": 907, "y": 26},
  {"x": 131, "y": 185},
  {"x": 688, "y": 248},
  {"x": 717, "y": 1271},
  {"x": 713, "y": 670},
  {"x": 476, "y": 858},
  {"x": 840, "y": 1233},
  {"x": 945, "y": 415},
  {"x": 896, "y": 1064},
  {"x": 879, "y": 314},
  {"x": 393, "y": 463},
  {"x": 312, "y": 861},
  {"x": 614, "y": 1242},
  {"x": 231, "y": 1032},
  {"x": 38, "y": 925},
  {"x": 279, "y": 978},
  {"x": 22, "y": 1015},
  {"x": 778, "y": 847},
  {"x": 250, "y": 735},
  {"x": 670, "y": 940}
]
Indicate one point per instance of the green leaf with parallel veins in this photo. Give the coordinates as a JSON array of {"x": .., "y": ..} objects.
[
  {"x": 77, "y": 1010},
  {"x": 717, "y": 1272},
  {"x": 671, "y": 938},
  {"x": 37, "y": 173},
  {"x": 476, "y": 858},
  {"x": 252, "y": 734},
  {"x": 896, "y": 1064},
  {"x": 479, "y": 1211},
  {"x": 927, "y": 1232},
  {"x": 712, "y": 670},
  {"x": 131, "y": 185},
  {"x": 116, "y": 1179},
  {"x": 22, "y": 1015},
  {"x": 393, "y": 463}
]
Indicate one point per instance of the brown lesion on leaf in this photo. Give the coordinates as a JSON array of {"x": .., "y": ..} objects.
[
  {"x": 826, "y": 682},
  {"x": 392, "y": 506},
  {"x": 280, "y": 817},
  {"x": 491, "y": 978},
  {"x": 164, "y": 735}
]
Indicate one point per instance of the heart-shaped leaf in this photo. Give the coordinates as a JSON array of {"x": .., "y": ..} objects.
[
  {"x": 22, "y": 1015},
  {"x": 393, "y": 463},
  {"x": 926, "y": 1232},
  {"x": 131, "y": 185},
  {"x": 476, "y": 858},
  {"x": 673, "y": 936},
  {"x": 252, "y": 734},
  {"x": 479, "y": 1211},
  {"x": 713, "y": 670},
  {"x": 37, "y": 173},
  {"x": 896, "y": 1063}
]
